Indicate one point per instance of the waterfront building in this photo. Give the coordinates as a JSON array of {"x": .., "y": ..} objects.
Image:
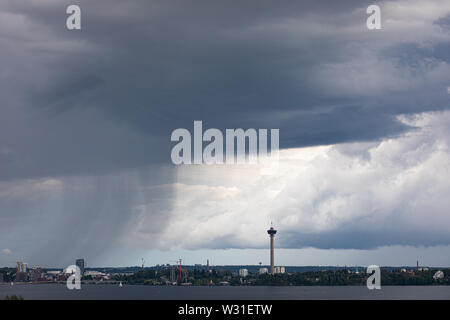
[
  {"x": 80, "y": 264},
  {"x": 243, "y": 272}
]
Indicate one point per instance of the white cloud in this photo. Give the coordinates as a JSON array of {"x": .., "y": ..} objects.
[
  {"x": 30, "y": 189},
  {"x": 7, "y": 251},
  {"x": 358, "y": 195}
]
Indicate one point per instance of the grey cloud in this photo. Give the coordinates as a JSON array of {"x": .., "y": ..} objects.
[
  {"x": 151, "y": 67},
  {"x": 51, "y": 222}
]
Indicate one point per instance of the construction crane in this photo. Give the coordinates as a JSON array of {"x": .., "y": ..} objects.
[
  {"x": 179, "y": 264},
  {"x": 181, "y": 279}
]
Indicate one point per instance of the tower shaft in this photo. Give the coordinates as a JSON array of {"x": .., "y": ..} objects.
[
  {"x": 272, "y": 257},
  {"x": 272, "y": 233}
]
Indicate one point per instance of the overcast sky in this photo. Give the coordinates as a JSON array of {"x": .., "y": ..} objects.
[{"x": 86, "y": 118}]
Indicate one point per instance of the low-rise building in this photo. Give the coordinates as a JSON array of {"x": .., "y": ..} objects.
[
  {"x": 61, "y": 277},
  {"x": 36, "y": 274},
  {"x": 243, "y": 272},
  {"x": 263, "y": 270},
  {"x": 94, "y": 274},
  {"x": 438, "y": 275},
  {"x": 279, "y": 270},
  {"x": 21, "y": 276}
]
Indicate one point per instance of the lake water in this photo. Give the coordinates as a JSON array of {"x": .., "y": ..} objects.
[{"x": 141, "y": 292}]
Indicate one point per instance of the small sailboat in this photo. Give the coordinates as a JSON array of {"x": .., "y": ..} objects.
[{"x": 120, "y": 284}]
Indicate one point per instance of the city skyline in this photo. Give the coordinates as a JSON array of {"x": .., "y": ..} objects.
[{"x": 285, "y": 257}]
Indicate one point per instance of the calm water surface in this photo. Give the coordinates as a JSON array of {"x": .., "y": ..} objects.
[{"x": 141, "y": 292}]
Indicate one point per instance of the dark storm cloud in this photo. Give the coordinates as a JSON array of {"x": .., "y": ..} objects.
[{"x": 142, "y": 69}]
